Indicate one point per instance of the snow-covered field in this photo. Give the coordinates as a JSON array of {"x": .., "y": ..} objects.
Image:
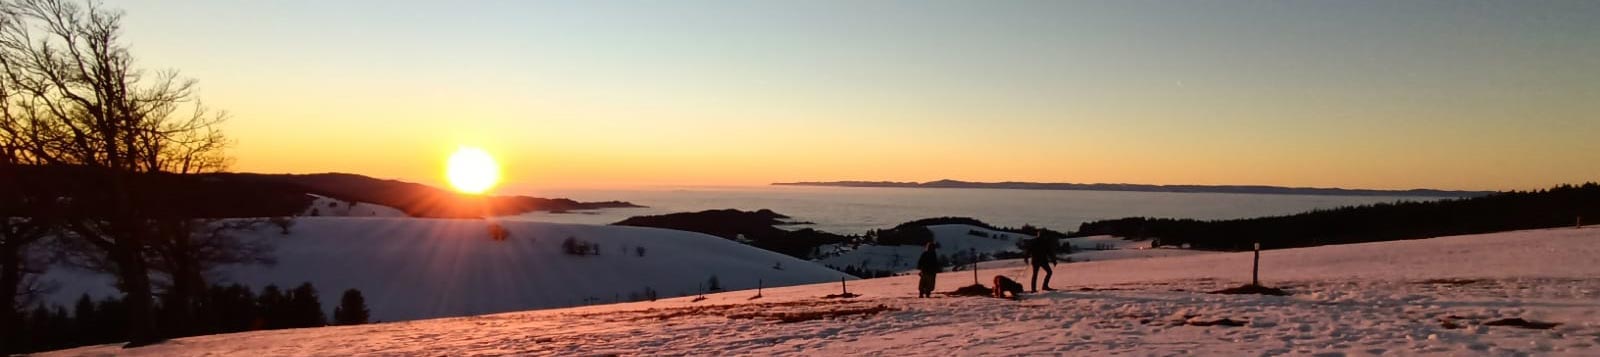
[
  {"x": 411, "y": 268},
  {"x": 1440, "y": 295}
]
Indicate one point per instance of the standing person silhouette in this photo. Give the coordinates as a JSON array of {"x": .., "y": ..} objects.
[
  {"x": 929, "y": 266},
  {"x": 1042, "y": 251}
]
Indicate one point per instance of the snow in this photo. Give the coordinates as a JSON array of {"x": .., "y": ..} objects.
[
  {"x": 324, "y": 206},
  {"x": 1434, "y": 296},
  {"x": 411, "y": 268}
]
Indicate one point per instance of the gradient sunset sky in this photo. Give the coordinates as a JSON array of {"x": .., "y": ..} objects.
[{"x": 1363, "y": 94}]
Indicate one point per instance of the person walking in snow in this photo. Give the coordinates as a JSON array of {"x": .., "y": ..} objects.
[
  {"x": 929, "y": 266},
  {"x": 1042, "y": 252}
]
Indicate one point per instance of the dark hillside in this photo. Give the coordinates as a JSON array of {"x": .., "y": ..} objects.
[
  {"x": 420, "y": 200},
  {"x": 225, "y": 195},
  {"x": 759, "y": 229},
  {"x": 1556, "y": 207}
]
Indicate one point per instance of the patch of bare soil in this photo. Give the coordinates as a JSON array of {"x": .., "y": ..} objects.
[
  {"x": 1218, "y": 322},
  {"x": 1448, "y": 282},
  {"x": 1252, "y": 289},
  {"x": 1528, "y": 324},
  {"x": 971, "y": 290},
  {"x": 808, "y": 315}
]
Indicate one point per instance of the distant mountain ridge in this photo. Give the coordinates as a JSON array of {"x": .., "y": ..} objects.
[
  {"x": 1255, "y": 189},
  {"x": 418, "y": 200},
  {"x": 231, "y": 195}
]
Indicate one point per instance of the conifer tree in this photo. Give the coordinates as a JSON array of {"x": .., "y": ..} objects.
[
  {"x": 306, "y": 307},
  {"x": 352, "y": 309},
  {"x": 270, "y": 309}
]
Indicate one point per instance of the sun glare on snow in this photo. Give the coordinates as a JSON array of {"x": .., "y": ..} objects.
[{"x": 472, "y": 170}]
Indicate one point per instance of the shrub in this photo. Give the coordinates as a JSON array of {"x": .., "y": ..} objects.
[
  {"x": 498, "y": 232},
  {"x": 574, "y": 246},
  {"x": 713, "y": 284},
  {"x": 646, "y": 294},
  {"x": 284, "y": 223}
]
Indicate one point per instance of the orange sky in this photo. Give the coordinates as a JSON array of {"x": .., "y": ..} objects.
[{"x": 1370, "y": 94}]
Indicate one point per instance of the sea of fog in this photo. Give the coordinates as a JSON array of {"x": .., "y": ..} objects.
[{"x": 851, "y": 210}]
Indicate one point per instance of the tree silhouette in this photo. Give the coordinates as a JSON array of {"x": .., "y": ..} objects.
[
  {"x": 73, "y": 97},
  {"x": 352, "y": 309},
  {"x": 271, "y": 307},
  {"x": 305, "y": 307}
]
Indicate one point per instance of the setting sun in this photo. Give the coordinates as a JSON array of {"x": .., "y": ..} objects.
[{"x": 472, "y": 170}]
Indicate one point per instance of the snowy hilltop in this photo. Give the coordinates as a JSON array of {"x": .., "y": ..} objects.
[
  {"x": 323, "y": 206},
  {"x": 412, "y": 268},
  {"x": 1525, "y": 292}
]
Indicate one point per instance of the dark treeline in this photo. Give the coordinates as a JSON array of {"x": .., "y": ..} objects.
[
  {"x": 1251, "y": 189},
  {"x": 162, "y": 194},
  {"x": 1026, "y": 229},
  {"x": 758, "y": 228},
  {"x": 224, "y": 309},
  {"x": 1555, "y": 207}
]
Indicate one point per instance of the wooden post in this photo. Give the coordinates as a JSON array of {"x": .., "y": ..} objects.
[
  {"x": 1255, "y": 270},
  {"x": 974, "y": 251},
  {"x": 842, "y": 287}
]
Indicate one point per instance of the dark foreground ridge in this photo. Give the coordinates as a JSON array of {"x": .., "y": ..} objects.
[
  {"x": 229, "y": 195},
  {"x": 1124, "y": 187}
]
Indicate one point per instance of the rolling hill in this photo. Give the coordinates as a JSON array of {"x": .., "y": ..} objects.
[{"x": 423, "y": 268}]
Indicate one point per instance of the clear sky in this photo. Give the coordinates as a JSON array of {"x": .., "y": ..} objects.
[{"x": 1369, "y": 94}]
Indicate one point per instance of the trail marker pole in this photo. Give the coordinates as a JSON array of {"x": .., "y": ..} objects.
[
  {"x": 842, "y": 287},
  {"x": 1255, "y": 269}
]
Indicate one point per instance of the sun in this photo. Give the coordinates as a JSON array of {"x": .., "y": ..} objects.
[{"x": 471, "y": 170}]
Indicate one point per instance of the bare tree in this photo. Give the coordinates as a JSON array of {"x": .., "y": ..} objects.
[
  {"x": 190, "y": 249},
  {"x": 25, "y": 220},
  {"x": 19, "y": 269},
  {"x": 70, "y": 96}
]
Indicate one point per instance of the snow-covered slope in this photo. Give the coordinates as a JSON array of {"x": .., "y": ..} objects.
[
  {"x": 419, "y": 268},
  {"x": 1440, "y": 296},
  {"x": 965, "y": 239},
  {"x": 324, "y": 206}
]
